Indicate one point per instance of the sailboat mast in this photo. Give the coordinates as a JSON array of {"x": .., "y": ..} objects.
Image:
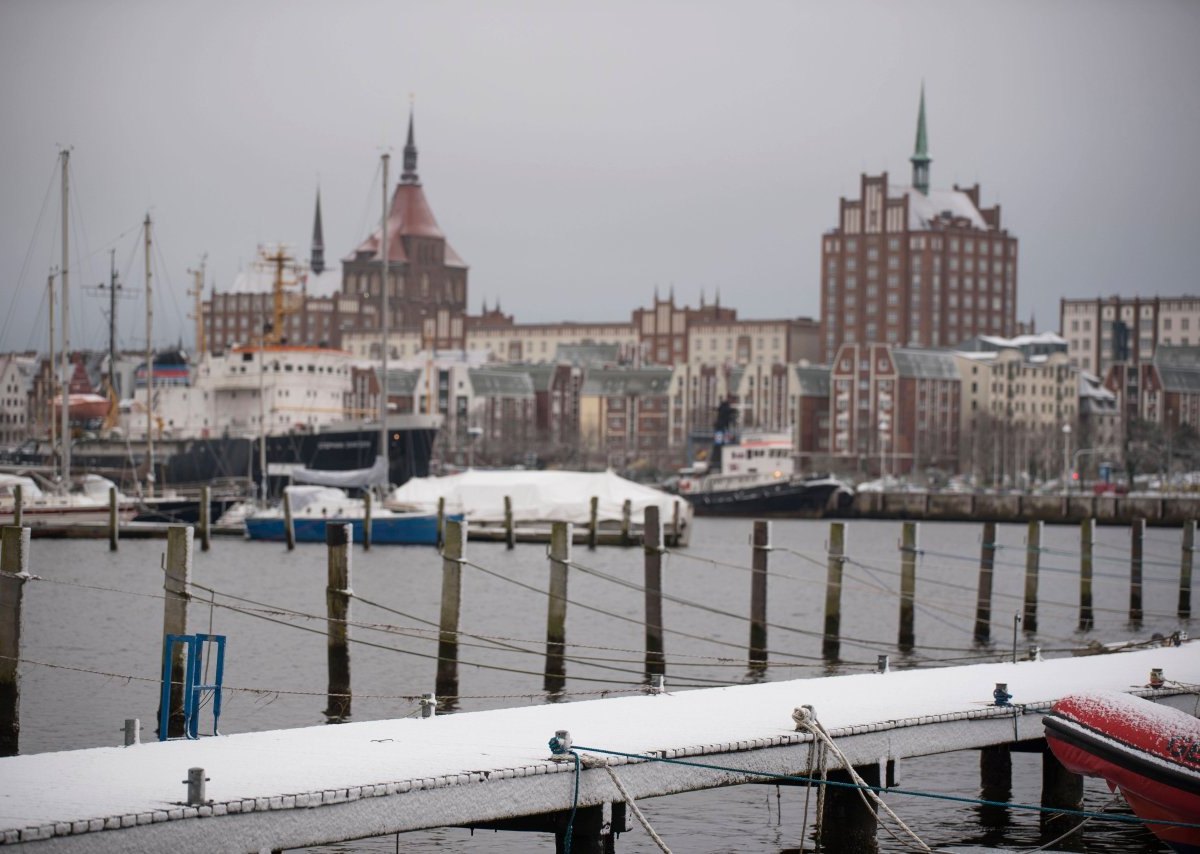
[
  {"x": 66, "y": 359},
  {"x": 53, "y": 372},
  {"x": 112, "y": 320},
  {"x": 149, "y": 367},
  {"x": 384, "y": 324}
]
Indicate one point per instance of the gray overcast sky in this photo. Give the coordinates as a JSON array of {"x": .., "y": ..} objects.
[{"x": 580, "y": 155}]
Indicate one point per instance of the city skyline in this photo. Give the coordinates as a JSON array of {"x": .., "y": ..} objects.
[{"x": 579, "y": 159}]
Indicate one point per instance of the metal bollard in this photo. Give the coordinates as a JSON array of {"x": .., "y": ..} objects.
[
  {"x": 428, "y": 705},
  {"x": 195, "y": 783},
  {"x": 657, "y": 684},
  {"x": 133, "y": 732},
  {"x": 882, "y": 663}
]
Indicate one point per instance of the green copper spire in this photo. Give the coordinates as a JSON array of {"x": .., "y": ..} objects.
[{"x": 921, "y": 159}]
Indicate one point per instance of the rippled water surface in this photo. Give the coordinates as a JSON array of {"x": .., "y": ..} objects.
[{"x": 101, "y": 612}]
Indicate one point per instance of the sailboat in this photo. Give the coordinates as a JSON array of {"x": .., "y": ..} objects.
[{"x": 318, "y": 497}]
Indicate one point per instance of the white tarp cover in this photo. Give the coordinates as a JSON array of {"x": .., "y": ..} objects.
[
  {"x": 376, "y": 475},
  {"x": 537, "y": 496}
]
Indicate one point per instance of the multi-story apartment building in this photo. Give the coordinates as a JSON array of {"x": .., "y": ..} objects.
[
  {"x": 894, "y": 410},
  {"x": 16, "y": 384},
  {"x": 625, "y": 415},
  {"x": 1113, "y": 330},
  {"x": 916, "y": 266}
]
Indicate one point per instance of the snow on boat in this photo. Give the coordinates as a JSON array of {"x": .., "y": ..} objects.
[
  {"x": 1150, "y": 752},
  {"x": 314, "y": 507},
  {"x": 541, "y": 497},
  {"x": 39, "y": 508}
]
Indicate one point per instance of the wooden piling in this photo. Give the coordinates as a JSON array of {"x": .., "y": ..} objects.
[
  {"x": 114, "y": 520},
  {"x": 453, "y": 552},
  {"x": 761, "y": 547},
  {"x": 556, "y": 616},
  {"x": 676, "y": 531},
  {"x": 983, "y": 599},
  {"x": 908, "y": 586},
  {"x": 848, "y": 826},
  {"x": 205, "y": 518},
  {"x": 289, "y": 527},
  {"x": 1061, "y": 789},
  {"x": 1185, "y": 569},
  {"x": 510, "y": 534},
  {"x": 995, "y": 783},
  {"x": 338, "y": 539},
  {"x": 177, "y": 592},
  {"x": 1033, "y": 562},
  {"x": 1137, "y": 536},
  {"x": 1086, "y": 619},
  {"x": 593, "y": 522},
  {"x": 831, "y": 644},
  {"x": 441, "y": 521},
  {"x": 653, "y": 549},
  {"x": 367, "y": 521},
  {"x": 18, "y": 505},
  {"x": 14, "y": 570},
  {"x": 626, "y": 521}
]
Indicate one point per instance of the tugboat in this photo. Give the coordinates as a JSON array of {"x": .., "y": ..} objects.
[
  {"x": 754, "y": 475},
  {"x": 1150, "y": 752}
]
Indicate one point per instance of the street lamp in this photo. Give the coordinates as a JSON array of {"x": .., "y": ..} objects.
[{"x": 1066, "y": 429}]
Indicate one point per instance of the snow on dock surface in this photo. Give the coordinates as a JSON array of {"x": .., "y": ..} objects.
[{"x": 288, "y": 788}]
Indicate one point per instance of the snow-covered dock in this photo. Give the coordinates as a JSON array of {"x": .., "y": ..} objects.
[{"x": 291, "y": 788}]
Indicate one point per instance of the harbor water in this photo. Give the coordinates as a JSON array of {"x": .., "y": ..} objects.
[{"x": 91, "y": 647}]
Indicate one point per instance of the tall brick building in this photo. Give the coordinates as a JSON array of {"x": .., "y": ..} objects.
[{"x": 916, "y": 266}]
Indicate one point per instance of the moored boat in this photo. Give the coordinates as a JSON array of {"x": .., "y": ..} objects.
[
  {"x": 754, "y": 475},
  {"x": 39, "y": 508},
  {"x": 316, "y": 507},
  {"x": 1148, "y": 751}
]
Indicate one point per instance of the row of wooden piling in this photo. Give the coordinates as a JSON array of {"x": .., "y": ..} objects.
[{"x": 14, "y": 556}]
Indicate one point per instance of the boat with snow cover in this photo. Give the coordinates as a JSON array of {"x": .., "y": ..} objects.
[{"x": 1148, "y": 751}]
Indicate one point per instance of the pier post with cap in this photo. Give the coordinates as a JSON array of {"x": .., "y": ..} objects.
[
  {"x": 556, "y": 616},
  {"x": 1086, "y": 618},
  {"x": 205, "y": 518},
  {"x": 114, "y": 520},
  {"x": 831, "y": 644},
  {"x": 1033, "y": 559},
  {"x": 1137, "y": 535},
  {"x": 653, "y": 548},
  {"x": 453, "y": 552},
  {"x": 289, "y": 524},
  {"x": 983, "y": 598},
  {"x": 338, "y": 540},
  {"x": 760, "y": 549},
  {"x": 908, "y": 586},
  {"x": 177, "y": 571},
  {"x": 1185, "y": 569},
  {"x": 14, "y": 571}
]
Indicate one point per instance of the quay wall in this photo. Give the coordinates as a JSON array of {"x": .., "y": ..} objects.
[{"x": 1166, "y": 510}]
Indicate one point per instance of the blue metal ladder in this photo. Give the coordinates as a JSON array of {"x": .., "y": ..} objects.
[{"x": 193, "y": 688}]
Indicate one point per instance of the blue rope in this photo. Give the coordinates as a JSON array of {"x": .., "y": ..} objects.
[{"x": 877, "y": 789}]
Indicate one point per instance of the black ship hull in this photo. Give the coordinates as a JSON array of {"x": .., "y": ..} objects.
[
  {"x": 788, "y": 498},
  {"x": 184, "y": 463}
]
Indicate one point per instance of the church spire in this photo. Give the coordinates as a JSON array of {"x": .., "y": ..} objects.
[
  {"x": 920, "y": 158},
  {"x": 316, "y": 262},
  {"x": 409, "y": 175}
]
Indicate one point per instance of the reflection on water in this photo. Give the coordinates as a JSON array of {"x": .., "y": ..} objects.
[{"x": 112, "y": 629}]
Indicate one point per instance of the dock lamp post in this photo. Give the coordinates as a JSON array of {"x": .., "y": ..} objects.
[{"x": 1066, "y": 430}]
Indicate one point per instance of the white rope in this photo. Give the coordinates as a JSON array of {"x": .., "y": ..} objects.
[
  {"x": 662, "y": 846},
  {"x": 806, "y": 720}
]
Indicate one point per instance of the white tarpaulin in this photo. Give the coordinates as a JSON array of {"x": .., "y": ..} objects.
[
  {"x": 537, "y": 496},
  {"x": 376, "y": 475}
]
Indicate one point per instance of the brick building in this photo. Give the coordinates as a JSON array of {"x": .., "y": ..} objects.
[{"x": 916, "y": 266}]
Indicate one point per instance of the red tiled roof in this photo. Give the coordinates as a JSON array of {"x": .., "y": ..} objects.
[{"x": 410, "y": 216}]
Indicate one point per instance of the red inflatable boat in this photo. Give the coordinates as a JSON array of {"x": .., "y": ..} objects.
[{"x": 1150, "y": 752}]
